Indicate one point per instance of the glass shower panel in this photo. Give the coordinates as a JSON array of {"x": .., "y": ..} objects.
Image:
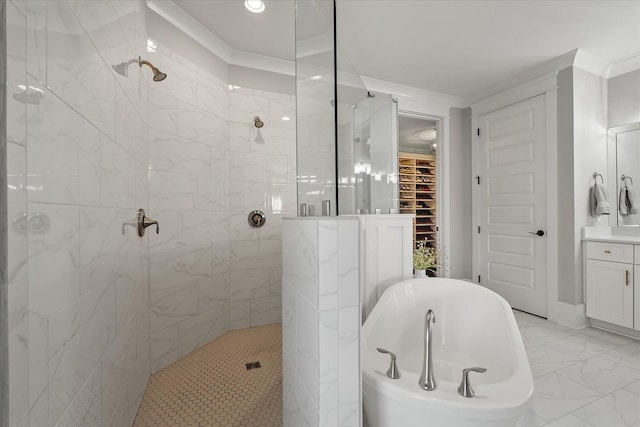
[{"x": 315, "y": 102}]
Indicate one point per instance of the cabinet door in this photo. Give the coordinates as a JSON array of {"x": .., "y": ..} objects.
[
  {"x": 636, "y": 297},
  {"x": 610, "y": 292}
]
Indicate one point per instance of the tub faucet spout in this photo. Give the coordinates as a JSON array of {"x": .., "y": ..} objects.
[{"x": 427, "y": 380}]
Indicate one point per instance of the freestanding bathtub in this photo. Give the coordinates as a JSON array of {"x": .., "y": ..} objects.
[{"x": 474, "y": 327}]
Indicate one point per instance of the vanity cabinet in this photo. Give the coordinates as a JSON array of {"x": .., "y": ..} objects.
[{"x": 609, "y": 282}]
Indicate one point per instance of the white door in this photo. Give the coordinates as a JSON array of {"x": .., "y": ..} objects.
[{"x": 512, "y": 259}]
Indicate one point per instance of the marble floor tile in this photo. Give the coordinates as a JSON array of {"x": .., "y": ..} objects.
[
  {"x": 543, "y": 333},
  {"x": 617, "y": 409},
  {"x": 555, "y": 396},
  {"x": 525, "y": 319},
  {"x": 532, "y": 420},
  {"x": 634, "y": 387},
  {"x": 582, "y": 346},
  {"x": 544, "y": 360},
  {"x": 569, "y": 421},
  {"x": 601, "y": 374},
  {"x": 628, "y": 355},
  {"x": 607, "y": 336}
]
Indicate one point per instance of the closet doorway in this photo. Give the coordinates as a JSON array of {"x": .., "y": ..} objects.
[{"x": 418, "y": 142}]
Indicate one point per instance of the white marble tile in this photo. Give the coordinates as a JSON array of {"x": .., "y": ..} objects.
[
  {"x": 544, "y": 360},
  {"x": 243, "y": 108},
  {"x": 172, "y": 305},
  {"x": 261, "y": 254},
  {"x": 555, "y": 396},
  {"x": 37, "y": 39},
  {"x": 247, "y": 284},
  {"x": 78, "y": 336},
  {"x": 86, "y": 409},
  {"x": 131, "y": 129},
  {"x": 299, "y": 267},
  {"x": 275, "y": 281},
  {"x": 16, "y": 67},
  {"x": 63, "y": 154},
  {"x": 184, "y": 81},
  {"x": 279, "y": 108},
  {"x": 38, "y": 371},
  {"x": 628, "y": 355},
  {"x": 198, "y": 125},
  {"x": 329, "y": 418},
  {"x": 601, "y": 374},
  {"x": 266, "y": 311},
  {"x": 349, "y": 355},
  {"x": 328, "y": 264},
  {"x": 348, "y": 263},
  {"x": 616, "y": 409},
  {"x": 198, "y": 330},
  {"x": 179, "y": 266},
  {"x": 247, "y": 196},
  {"x": 581, "y": 346},
  {"x": 328, "y": 362},
  {"x": 198, "y": 229},
  {"x": 162, "y": 112},
  {"x": 118, "y": 377},
  {"x": 289, "y": 323},
  {"x": 170, "y": 191},
  {"x": 219, "y": 164},
  {"x": 220, "y": 257},
  {"x": 634, "y": 387},
  {"x": 164, "y": 348},
  {"x": 281, "y": 199},
  {"x": 568, "y": 421},
  {"x": 211, "y": 194},
  {"x": 16, "y": 211},
  {"x": 350, "y": 415},
  {"x": 532, "y": 420},
  {"x": 543, "y": 333},
  {"x": 213, "y": 97},
  {"x": 212, "y": 290},
  {"x": 239, "y": 314},
  {"x": 307, "y": 345},
  {"x": 54, "y": 256},
  {"x": 171, "y": 153},
  {"x": 17, "y": 303}
]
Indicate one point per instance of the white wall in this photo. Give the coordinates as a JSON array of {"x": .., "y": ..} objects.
[{"x": 623, "y": 99}]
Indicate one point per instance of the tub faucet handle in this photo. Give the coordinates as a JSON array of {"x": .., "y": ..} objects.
[
  {"x": 393, "y": 372},
  {"x": 465, "y": 386}
]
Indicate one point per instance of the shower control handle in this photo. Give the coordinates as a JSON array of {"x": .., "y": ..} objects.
[
  {"x": 393, "y": 371},
  {"x": 140, "y": 223}
]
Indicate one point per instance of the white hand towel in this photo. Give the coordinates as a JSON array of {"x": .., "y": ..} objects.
[
  {"x": 602, "y": 204},
  {"x": 631, "y": 200},
  {"x": 622, "y": 204}
]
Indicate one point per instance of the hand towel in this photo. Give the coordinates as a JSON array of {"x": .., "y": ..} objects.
[
  {"x": 631, "y": 200},
  {"x": 599, "y": 203},
  {"x": 623, "y": 206}
]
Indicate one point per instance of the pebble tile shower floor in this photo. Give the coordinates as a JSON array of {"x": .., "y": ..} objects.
[{"x": 213, "y": 387}]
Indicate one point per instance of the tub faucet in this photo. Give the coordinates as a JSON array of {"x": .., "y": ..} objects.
[{"x": 427, "y": 381}]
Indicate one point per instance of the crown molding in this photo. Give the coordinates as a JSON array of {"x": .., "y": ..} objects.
[
  {"x": 170, "y": 11},
  {"x": 623, "y": 67}
]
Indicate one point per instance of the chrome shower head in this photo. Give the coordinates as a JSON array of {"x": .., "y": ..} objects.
[
  {"x": 122, "y": 69},
  {"x": 257, "y": 122}
]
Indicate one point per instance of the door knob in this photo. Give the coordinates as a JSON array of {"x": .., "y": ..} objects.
[{"x": 537, "y": 233}]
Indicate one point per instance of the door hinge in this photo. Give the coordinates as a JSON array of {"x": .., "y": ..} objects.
[
  {"x": 478, "y": 229},
  {"x": 478, "y": 179},
  {"x": 478, "y": 131},
  {"x": 478, "y": 278}
]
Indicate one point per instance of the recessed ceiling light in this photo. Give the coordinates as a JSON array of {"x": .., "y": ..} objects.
[
  {"x": 286, "y": 118},
  {"x": 318, "y": 77},
  {"x": 255, "y": 6}
]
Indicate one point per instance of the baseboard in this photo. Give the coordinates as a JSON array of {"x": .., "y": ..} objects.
[
  {"x": 632, "y": 333},
  {"x": 572, "y": 316}
]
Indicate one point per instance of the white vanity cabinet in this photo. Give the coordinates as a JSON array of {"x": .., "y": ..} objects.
[{"x": 609, "y": 282}]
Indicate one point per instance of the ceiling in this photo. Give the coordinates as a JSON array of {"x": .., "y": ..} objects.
[{"x": 453, "y": 47}]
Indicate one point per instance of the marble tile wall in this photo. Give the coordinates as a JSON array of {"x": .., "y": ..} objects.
[
  {"x": 208, "y": 168},
  {"x": 78, "y": 295},
  {"x": 320, "y": 325}
]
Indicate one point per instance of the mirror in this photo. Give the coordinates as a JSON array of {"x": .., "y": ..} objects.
[{"x": 624, "y": 172}]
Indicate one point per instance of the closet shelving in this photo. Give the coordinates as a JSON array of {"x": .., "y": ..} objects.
[{"x": 417, "y": 174}]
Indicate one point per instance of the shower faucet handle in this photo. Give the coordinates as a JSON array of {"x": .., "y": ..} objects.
[
  {"x": 465, "y": 389},
  {"x": 140, "y": 223},
  {"x": 393, "y": 371}
]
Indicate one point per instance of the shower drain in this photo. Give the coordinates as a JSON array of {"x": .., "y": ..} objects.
[{"x": 252, "y": 365}]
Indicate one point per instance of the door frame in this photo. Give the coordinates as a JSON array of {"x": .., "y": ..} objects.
[
  {"x": 546, "y": 85},
  {"x": 443, "y": 208}
]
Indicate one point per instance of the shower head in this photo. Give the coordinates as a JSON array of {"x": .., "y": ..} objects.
[
  {"x": 257, "y": 122},
  {"x": 123, "y": 69},
  {"x": 158, "y": 75}
]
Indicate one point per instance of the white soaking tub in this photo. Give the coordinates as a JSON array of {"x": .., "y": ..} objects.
[{"x": 474, "y": 327}]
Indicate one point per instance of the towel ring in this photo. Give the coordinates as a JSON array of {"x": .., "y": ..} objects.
[
  {"x": 596, "y": 175},
  {"x": 624, "y": 179}
]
